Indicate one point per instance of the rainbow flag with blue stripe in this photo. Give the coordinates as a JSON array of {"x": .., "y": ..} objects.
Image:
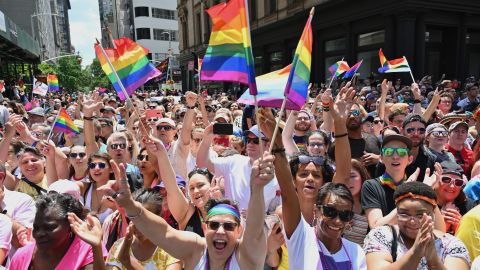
[
  {"x": 338, "y": 68},
  {"x": 352, "y": 70},
  {"x": 229, "y": 54},
  {"x": 392, "y": 66},
  {"x": 65, "y": 124},
  {"x": 130, "y": 61},
  {"x": 52, "y": 82}
]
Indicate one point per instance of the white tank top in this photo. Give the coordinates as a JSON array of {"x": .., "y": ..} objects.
[
  {"x": 88, "y": 204},
  {"x": 201, "y": 265}
]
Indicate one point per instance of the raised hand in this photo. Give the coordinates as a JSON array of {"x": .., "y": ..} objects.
[
  {"x": 275, "y": 238},
  {"x": 119, "y": 190},
  {"x": 48, "y": 149},
  {"x": 416, "y": 91},
  {"x": 89, "y": 230},
  {"x": 385, "y": 87},
  {"x": 263, "y": 170},
  {"x": 92, "y": 104},
  {"x": 424, "y": 236},
  {"x": 452, "y": 216},
  {"x": 433, "y": 179},
  {"x": 124, "y": 251},
  {"x": 414, "y": 176},
  {"x": 191, "y": 98},
  {"x": 343, "y": 103},
  {"x": 217, "y": 188},
  {"x": 153, "y": 145}
]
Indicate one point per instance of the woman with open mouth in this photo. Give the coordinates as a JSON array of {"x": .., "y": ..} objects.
[
  {"x": 414, "y": 243},
  {"x": 226, "y": 244}
]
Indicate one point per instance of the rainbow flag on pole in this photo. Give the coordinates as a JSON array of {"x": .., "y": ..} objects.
[
  {"x": 229, "y": 54},
  {"x": 352, "y": 70},
  {"x": 339, "y": 68},
  {"x": 130, "y": 61},
  {"x": 297, "y": 85},
  {"x": 64, "y": 123},
  {"x": 52, "y": 82},
  {"x": 391, "y": 66}
]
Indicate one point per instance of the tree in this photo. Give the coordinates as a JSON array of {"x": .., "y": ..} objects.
[
  {"x": 99, "y": 78},
  {"x": 70, "y": 75}
]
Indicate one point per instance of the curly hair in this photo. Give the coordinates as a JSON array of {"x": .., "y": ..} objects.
[
  {"x": 327, "y": 169},
  {"x": 62, "y": 203},
  {"x": 416, "y": 188}
]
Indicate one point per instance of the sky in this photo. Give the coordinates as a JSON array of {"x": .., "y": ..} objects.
[{"x": 84, "y": 27}]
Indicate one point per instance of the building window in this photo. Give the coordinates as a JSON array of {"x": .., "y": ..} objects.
[
  {"x": 270, "y": 6},
  {"x": 141, "y": 12},
  {"x": 185, "y": 34},
  {"x": 371, "y": 38},
  {"x": 164, "y": 34},
  {"x": 472, "y": 38},
  {"x": 252, "y": 6},
  {"x": 433, "y": 36},
  {"x": 164, "y": 14},
  {"x": 143, "y": 33},
  {"x": 370, "y": 62},
  {"x": 333, "y": 45},
  {"x": 198, "y": 29},
  {"x": 258, "y": 65},
  {"x": 276, "y": 61}
]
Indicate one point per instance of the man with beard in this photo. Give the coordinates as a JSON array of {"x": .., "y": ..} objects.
[
  {"x": 364, "y": 146},
  {"x": 302, "y": 126},
  {"x": 414, "y": 128}
]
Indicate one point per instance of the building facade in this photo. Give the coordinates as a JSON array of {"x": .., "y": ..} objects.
[
  {"x": 63, "y": 25},
  {"x": 437, "y": 37},
  {"x": 105, "y": 8}
]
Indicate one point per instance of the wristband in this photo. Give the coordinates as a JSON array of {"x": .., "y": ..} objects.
[
  {"x": 416, "y": 101},
  {"x": 341, "y": 135},
  {"x": 191, "y": 107},
  {"x": 278, "y": 151},
  {"x": 86, "y": 118},
  {"x": 135, "y": 216}
]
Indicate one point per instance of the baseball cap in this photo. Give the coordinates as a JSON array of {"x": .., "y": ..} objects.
[
  {"x": 397, "y": 137},
  {"x": 37, "y": 111},
  {"x": 413, "y": 118},
  {"x": 223, "y": 116},
  {"x": 107, "y": 108},
  {"x": 433, "y": 126},
  {"x": 254, "y": 130},
  {"x": 451, "y": 167},
  {"x": 66, "y": 187},
  {"x": 368, "y": 118},
  {"x": 166, "y": 120},
  {"x": 457, "y": 124}
]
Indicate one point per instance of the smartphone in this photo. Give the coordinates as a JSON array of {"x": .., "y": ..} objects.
[{"x": 223, "y": 129}]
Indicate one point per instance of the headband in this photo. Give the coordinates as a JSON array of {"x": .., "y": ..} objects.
[
  {"x": 410, "y": 195},
  {"x": 223, "y": 209}
]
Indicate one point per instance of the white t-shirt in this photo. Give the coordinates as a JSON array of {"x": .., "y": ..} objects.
[
  {"x": 20, "y": 207},
  {"x": 177, "y": 154},
  {"x": 236, "y": 172},
  {"x": 192, "y": 161},
  {"x": 304, "y": 251},
  {"x": 5, "y": 232}
]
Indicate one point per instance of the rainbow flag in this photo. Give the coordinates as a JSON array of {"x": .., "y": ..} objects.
[
  {"x": 52, "y": 82},
  {"x": 229, "y": 54},
  {"x": 297, "y": 85},
  {"x": 391, "y": 66},
  {"x": 352, "y": 70},
  {"x": 64, "y": 123},
  {"x": 130, "y": 61},
  {"x": 338, "y": 68}
]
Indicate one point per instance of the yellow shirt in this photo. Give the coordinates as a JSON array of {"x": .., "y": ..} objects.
[
  {"x": 160, "y": 259},
  {"x": 469, "y": 231},
  {"x": 29, "y": 190},
  {"x": 284, "y": 260}
]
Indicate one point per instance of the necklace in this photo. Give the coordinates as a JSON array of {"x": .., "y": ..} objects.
[
  {"x": 323, "y": 259},
  {"x": 386, "y": 180},
  {"x": 227, "y": 264}
]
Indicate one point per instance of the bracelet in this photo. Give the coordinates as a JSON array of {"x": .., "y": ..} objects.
[
  {"x": 341, "y": 135},
  {"x": 278, "y": 151},
  {"x": 86, "y": 118},
  {"x": 34, "y": 144},
  {"x": 416, "y": 101},
  {"x": 325, "y": 103},
  {"x": 136, "y": 216},
  {"x": 326, "y": 108},
  {"x": 191, "y": 107}
]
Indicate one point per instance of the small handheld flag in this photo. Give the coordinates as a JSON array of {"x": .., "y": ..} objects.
[
  {"x": 64, "y": 123},
  {"x": 338, "y": 68},
  {"x": 352, "y": 70},
  {"x": 52, "y": 82},
  {"x": 391, "y": 66}
]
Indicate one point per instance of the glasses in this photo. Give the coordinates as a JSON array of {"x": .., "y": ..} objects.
[
  {"x": 440, "y": 133},
  {"x": 412, "y": 130},
  {"x": 390, "y": 151},
  {"x": 332, "y": 213},
  {"x": 303, "y": 119},
  {"x": 152, "y": 120},
  {"x": 304, "y": 159},
  {"x": 354, "y": 112},
  {"x": 75, "y": 155},
  {"x": 378, "y": 121},
  {"x": 227, "y": 226},
  {"x": 316, "y": 145},
  {"x": 118, "y": 146},
  {"x": 403, "y": 217},
  {"x": 166, "y": 128},
  {"x": 93, "y": 165},
  {"x": 142, "y": 157},
  {"x": 36, "y": 134},
  {"x": 254, "y": 140},
  {"x": 448, "y": 180}
]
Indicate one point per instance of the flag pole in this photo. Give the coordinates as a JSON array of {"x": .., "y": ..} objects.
[
  {"x": 411, "y": 74},
  {"x": 53, "y": 126},
  {"x": 282, "y": 108},
  {"x": 127, "y": 97}
]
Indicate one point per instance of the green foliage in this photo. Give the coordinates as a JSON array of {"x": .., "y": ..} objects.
[{"x": 73, "y": 78}]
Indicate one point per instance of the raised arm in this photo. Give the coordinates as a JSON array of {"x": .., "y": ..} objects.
[
  {"x": 432, "y": 106},
  {"x": 177, "y": 202},
  {"x": 287, "y": 134},
  {"x": 180, "y": 244},
  {"x": 8, "y": 136},
  {"x": 339, "y": 111},
  {"x": 48, "y": 149},
  {"x": 203, "y": 157},
  {"x": 186, "y": 132},
  {"x": 90, "y": 105},
  {"x": 253, "y": 245},
  {"x": 203, "y": 110},
  {"x": 291, "y": 206},
  {"x": 327, "y": 124},
  {"x": 417, "y": 106},
  {"x": 383, "y": 98}
]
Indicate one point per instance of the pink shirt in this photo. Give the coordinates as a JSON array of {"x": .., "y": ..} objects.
[{"x": 79, "y": 254}]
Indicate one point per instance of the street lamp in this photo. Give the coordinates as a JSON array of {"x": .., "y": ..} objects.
[{"x": 79, "y": 58}]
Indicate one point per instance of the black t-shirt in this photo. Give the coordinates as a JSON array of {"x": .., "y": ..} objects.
[
  {"x": 194, "y": 224},
  {"x": 248, "y": 113},
  {"x": 376, "y": 195},
  {"x": 301, "y": 142}
]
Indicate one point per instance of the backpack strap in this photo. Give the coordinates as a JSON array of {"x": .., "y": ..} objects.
[
  {"x": 38, "y": 188},
  {"x": 394, "y": 243}
]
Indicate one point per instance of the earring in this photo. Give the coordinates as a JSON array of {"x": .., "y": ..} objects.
[{"x": 348, "y": 227}]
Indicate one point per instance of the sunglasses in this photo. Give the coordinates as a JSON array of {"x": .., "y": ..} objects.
[
  {"x": 142, "y": 157},
  {"x": 197, "y": 140},
  {"x": 390, "y": 151},
  {"x": 378, "y": 121},
  {"x": 227, "y": 226},
  {"x": 304, "y": 159},
  {"x": 448, "y": 180},
  {"x": 440, "y": 133},
  {"x": 354, "y": 112},
  {"x": 118, "y": 146},
  {"x": 75, "y": 155},
  {"x": 332, "y": 213},
  {"x": 316, "y": 145},
  {"x": 166, "y": 128},
  {"x": 152, "y": 120},
  {"x": 254, "y": 140},
  {"x": 412, "y": 130},
  {"x": 93, "y": 165}
]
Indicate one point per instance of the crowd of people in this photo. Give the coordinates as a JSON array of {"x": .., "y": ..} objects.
[{"x": 379, "y": 175}]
